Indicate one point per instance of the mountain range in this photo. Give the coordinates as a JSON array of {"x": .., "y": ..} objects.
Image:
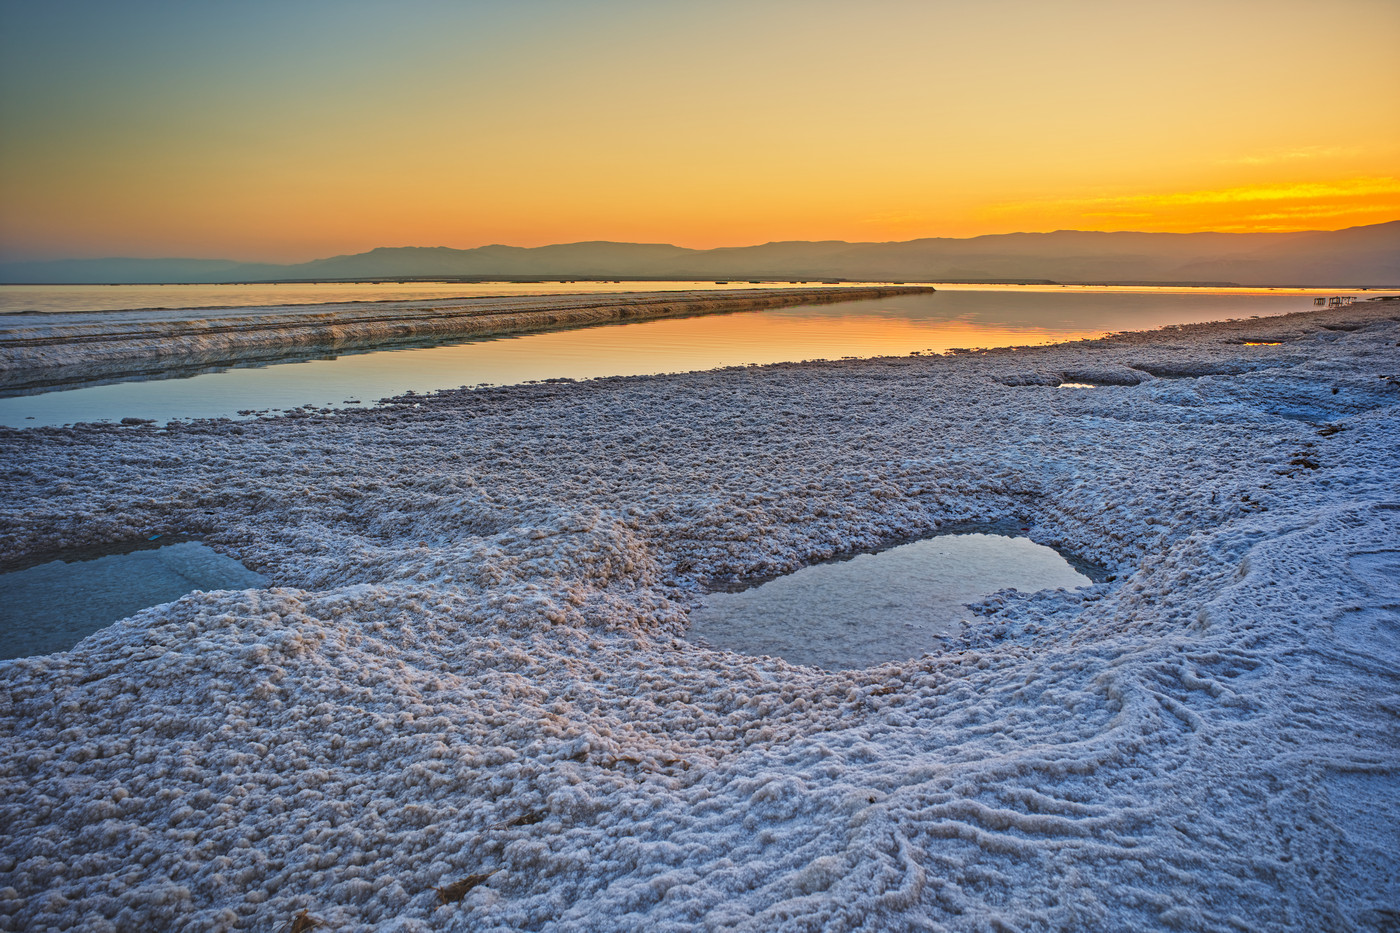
[{"x": 1367, "y": 256}]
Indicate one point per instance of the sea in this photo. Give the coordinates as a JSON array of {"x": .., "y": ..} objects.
[{"x": 956, "y": 316}]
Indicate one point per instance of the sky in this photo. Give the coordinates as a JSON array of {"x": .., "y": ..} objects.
[{"x": 298, "y": 129}]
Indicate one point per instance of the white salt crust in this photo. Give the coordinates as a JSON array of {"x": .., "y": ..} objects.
[
  {"x": 44, "y": 348},
  {"x": 471, "y": 661}
]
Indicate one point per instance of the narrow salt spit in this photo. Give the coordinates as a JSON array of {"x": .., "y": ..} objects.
[
  {"x": 54, "y": 605},
  {"x": 329, "y": 376},
  {"x": 887, "y": 606},
  {"x": 41, "y": 350}
]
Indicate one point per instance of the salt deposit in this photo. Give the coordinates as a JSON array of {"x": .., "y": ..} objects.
[
  {"x": 470, "y": 661},
  {"x": 44, "y": 349}
]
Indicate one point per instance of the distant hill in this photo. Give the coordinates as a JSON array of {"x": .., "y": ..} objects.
[{"x": 1366, "y": 256}]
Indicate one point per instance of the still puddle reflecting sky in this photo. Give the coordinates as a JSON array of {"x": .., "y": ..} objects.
[
  {"x": 889, "y": 606},
  {"x": 53, "y": 606},
  {"x": 956, "y": 316}
]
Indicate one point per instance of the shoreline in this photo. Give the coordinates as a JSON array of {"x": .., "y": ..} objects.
[
  {"x": 471, "y": 657},
  {"x": 58, "y": 348}
]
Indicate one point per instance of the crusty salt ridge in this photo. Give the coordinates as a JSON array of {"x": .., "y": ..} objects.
[
  {"x": 44, "y": 349},
  {"x": 472, "y": 659}
]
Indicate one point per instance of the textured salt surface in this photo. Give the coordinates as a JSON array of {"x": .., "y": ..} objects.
[
  {"x": 54, "y": 605},
  {"x": 473, "y": 663},
  {"x": 42, "y": 349},
  {"x": 900, "y": 603}
]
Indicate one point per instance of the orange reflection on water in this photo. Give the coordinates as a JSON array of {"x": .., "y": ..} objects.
[
  {"x": 759, "y": 337},
  {"x": 661, "y": 346},
  {"x": 954, "y": 317},
  {"x": 60, "y": 298}
]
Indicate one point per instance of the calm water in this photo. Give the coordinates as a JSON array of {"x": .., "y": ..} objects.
[
  {"x": 56, "y": 298},
  {"x": 896, "y": 604},
  {"x": 53, "y": 606},
  {"x": 956, "y": 316}
]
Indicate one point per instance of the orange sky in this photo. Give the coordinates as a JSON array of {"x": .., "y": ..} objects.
[{"x": 291, "y": 131}]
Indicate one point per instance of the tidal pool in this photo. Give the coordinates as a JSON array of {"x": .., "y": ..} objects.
[
  {"x": 52, "y": 606},
  {"x": 888, "y": 606}
]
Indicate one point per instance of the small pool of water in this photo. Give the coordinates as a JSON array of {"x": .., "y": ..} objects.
[
  {"x": 52, "y": 606},
  {"x": 887, "y": 606}
]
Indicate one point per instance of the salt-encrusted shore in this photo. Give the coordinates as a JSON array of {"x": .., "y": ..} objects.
[
  {"x": 43, "y": 349},
  {"x": 473, "y": 668}
]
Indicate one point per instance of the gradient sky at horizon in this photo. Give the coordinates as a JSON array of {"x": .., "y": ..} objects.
[{"x": 300, "y": 129}]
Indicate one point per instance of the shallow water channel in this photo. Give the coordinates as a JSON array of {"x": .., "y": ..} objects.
[
  {"x": 955, "y": 316},
  {"x": 52, "y": 606},
  {"x": 887, "y": 606}
]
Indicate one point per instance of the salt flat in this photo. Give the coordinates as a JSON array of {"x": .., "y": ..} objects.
[{"x": 471, "y": 663}]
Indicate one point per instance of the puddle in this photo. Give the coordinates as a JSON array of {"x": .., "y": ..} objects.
[
  {"x": 52, "y": 606},
  {"x": 1078, "y": 385},
  {"x": 888, "y": 606}
]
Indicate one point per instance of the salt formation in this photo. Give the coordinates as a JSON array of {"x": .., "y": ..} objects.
[
  {"x": 44, "y": 349},
  {"x": 468, "y": 675}
]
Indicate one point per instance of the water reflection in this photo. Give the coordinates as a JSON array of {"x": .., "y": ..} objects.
[
  {"x": 896, "y": 604},
  {"x": 60, "y": 298},
  {"x": 660, "y": 346},
  {"x": 52, "y": 606},
  {"x": 954, "y": 317}
]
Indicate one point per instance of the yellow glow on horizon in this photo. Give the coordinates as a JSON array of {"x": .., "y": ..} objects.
[
  {"x": 201, "y": 131},
  {"x": 1267, "y": 207}
]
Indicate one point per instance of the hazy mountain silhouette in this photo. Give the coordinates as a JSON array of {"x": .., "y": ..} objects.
[{"x": 1366, "y": 256}]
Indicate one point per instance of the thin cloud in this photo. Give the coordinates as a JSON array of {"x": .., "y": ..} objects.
[
  {"x": 1119, "y": 215},
  {"x": 1310, "y": 212},
  {"x": 1311, "y": 191},
  {"x": 1294, "y": 155},
  {"x": 897, "y": 219}
]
